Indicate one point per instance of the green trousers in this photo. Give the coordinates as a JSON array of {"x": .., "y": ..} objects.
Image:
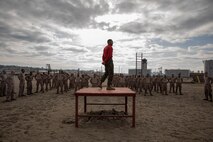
[{"x": 109, "y": 72}]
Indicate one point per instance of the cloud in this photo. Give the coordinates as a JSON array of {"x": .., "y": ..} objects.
[
  {"x": 72, "y": 34},
  {"x": 174, "y": 21},
  {"x": 127, "y": 6},
  {"x": 75, "y": 49}
]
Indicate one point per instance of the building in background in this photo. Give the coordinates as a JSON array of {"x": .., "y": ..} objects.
[
  {"x": 144, "y": 67},
  {"x": 183, "y": 72},
  {"x": 133, "y": 71},
  {"x": 208, "y": 67}
]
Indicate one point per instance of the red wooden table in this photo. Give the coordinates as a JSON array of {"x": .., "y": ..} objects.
[{"x": 97, "y": 92}]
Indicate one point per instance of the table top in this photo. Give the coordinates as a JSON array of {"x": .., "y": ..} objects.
[{"x": 95, "y": 91}]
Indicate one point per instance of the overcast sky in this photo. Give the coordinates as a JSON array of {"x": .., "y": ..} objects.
[{"x": 71, "y": 34}]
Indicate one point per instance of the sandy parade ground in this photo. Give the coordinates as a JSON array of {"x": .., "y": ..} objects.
[{"x": 49, "y": 117}]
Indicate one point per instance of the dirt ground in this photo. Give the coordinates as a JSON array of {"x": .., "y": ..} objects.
[{"x": 41, "y": 117}]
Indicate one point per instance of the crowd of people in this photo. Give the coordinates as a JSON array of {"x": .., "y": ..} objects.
[
  {"x": 45, "y": 81},
  {"x": 147, "y": 84},
  {"x": 64, "y": 82}
]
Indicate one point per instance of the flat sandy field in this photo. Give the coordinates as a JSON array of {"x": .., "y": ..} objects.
[{"x": 49, "y": 117}]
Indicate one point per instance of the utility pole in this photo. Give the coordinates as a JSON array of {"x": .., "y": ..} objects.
[{"x": 138, "y": 58}]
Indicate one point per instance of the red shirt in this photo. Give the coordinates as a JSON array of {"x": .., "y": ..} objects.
[{"x": 107, "y": 54}]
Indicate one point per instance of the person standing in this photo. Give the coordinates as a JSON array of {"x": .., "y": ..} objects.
[
  {"x": 94, "y": 80},
  {"x": 39, "y": 82},
  {"x": 164, "y": 85},
  {"x": 29, "y": 79},
  {"x": 207, "y": 88},
  {"x": 77, "y": 82},
  {"x": 71, "y": 81},
  {"x": 21, "y": 78},
  {"x": 179, "y": 82},
  {"x": 108, "y": 63},
  {"x": 3, "y": 83},
  {"x": 148, "y": 85},
  {"x": 10, "y": 87},
  {"x": 60, "y": 78},
  {"x": 172, "y": 81}
]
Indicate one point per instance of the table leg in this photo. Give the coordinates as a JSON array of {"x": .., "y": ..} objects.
[
  {"x": 76, "y": 111},
  {"x": 85, "y": 104},
  {"x": 126, "y": 111},
  {"x": 133, "y": 111}
]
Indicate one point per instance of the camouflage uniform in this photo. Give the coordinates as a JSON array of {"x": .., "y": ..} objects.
[
  {"x": 0, "y": 86},
  {"x": 87, "y": 80},
  {"x": 54, "y": 80},
  {"x": 60, "y": 78},
  {"x": 148, "y": 85},
  {"x": 65, "y": 81},
  {"x": 77, "y": 83},
  {"x": 10, "y": 87},
  {"x": 3, "y": 84},
  {"x": 179, "y": 82},
  {"x": 71, "y": 81},
  {"x": 47, "y": 81},
  {"x": 154, "y": 83},
  {"x": 159, "y": 84},
  {"x": 172, "y": 84},
  {"x": 122, "y": 81},
  {"x": 29, "y": 79},
  {"x": 94, "y": 81},
  {"x": 39, "y": 82},
  {"x": 21, "y": 78},
  {"x": 164, "y": 86},
  {"x": 137, "y": 83},
  {"x": 207, "y": 88},
  {"x": 83, "y": 81},
  {"x": 141, "y": 84}
]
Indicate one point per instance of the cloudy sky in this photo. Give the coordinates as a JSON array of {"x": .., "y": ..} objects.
[{"x": 71, "y": 34}]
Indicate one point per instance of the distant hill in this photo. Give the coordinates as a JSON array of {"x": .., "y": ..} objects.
[{"x": 27, "y": 69}]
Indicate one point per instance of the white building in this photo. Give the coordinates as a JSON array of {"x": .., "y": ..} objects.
[
  {"x": 208, "y": 67},
  {"x": 133, "y": 71},
  {"x": 183, "y": 72}
]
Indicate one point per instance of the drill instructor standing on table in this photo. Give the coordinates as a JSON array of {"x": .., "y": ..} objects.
[{"x": 108, "y": 63}]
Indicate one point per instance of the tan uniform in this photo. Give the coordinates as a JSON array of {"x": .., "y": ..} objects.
[
  {"x": 126, "y": 81},
  {"x": 39, "y": 82},
  {"x": 87, "y": 80},
  {"x": 207, "y": 88},
  {"x": 172, "y": 85},
  {"x": 115, "y": 81},
  {"x": 159, "y": 84},
  {"x": 71, "y": 82},
  {"x": 122, "y": 81},
  {"x": 94, "y": 81},
  {"x": 133, "y": 82},
  {"x": 154, "y": 83},
  {"x": 60, "y": 84},
  {"x": 141, "y": 84},
  {"x": 21, "y": 78},
  {"x": 83, "y": 82},
  {"x": 3, "y": 85},
  {"x": 164, "y": 86},
  {"x": 0, "y": 86},
  {"x": 54, "y": 80},
  {"x": 29, "y": 79},
  {"x": 10, "y": 87},
  {"x": 137, "y": 83},
  {"x": 65, "y": 82},
  {"x": 77, "y": 83},
  {"x": 47, "y": 81},
  {"x": 179, "y": 82},
  {"x": 148, "y": 85}
]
